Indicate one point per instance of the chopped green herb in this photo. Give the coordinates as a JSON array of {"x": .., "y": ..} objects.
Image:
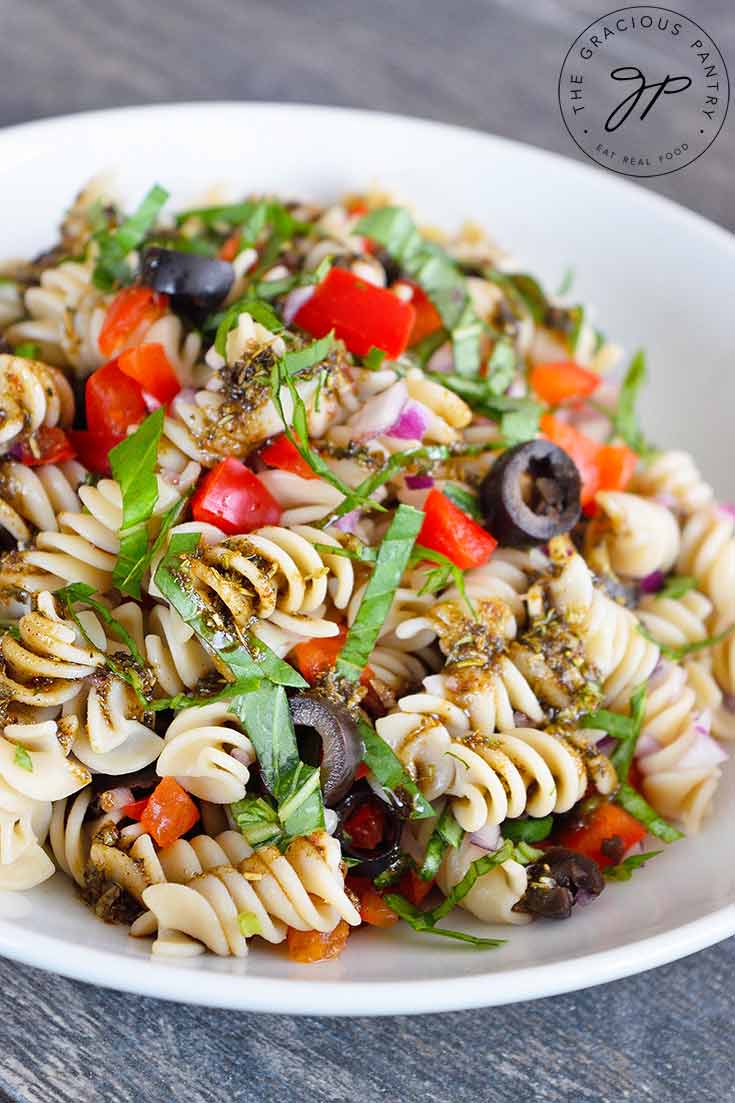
[
  {"x": 501, "y": 366},
  {"x": 476, "y": 870},
  {"x": 133, "y": 463},
  {"x": 677, "y": 586},
  {"x": 420, "y": 921},
  {"x": 27, "y": 350},
  {"x": 518, "y": 417},
  {"x": 464, "y": 499},
  {"x": 567, "y": 280},
  {"x": 525, "y": 854},
  {"x": 527, "y": 831},
  {"x": 257, "y": 819},
  {"x": 259, "y": 311},
  {"x": 576, "y": 315},
  {"x": 524, "y": 292},
  {"x": 307, "y": 357},
  {"x": 393, "y": 556},
  {"x": 624, "y": 871},
  {"x": 22, "y": 758},
  {"x": 676, "y": 654},
  {"x": 632, "y": 801},
  {"x": 436, "y": 273},
  {"x": 625, "y": 420},
  {"x": 625, "y": 729},
  {"x": 386, "y": 767},
  {"x": 446, "y": 833},
  {"x": 111, "y": 267},
  {"x": 374, "y": 359},
  {"x": 273, "y": 289},
  {"x": 440, "y": 577}
]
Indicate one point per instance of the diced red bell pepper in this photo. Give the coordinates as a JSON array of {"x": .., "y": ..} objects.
[
  {"x": 151, "y": 369},
  {"x": 428, "y": 319},
  {"x": 616, "y": 464},
  {"x": 414, "y": 888},
  {"x": 229, "y": 248},
  {"x": 307, "y": 947},
  {"x": 93, "y": 449},
  {"x": 362, "y": 315},
  {"x": 282, "y": 454},
  {"x": 132, "y": 307},
  {"x": 559, "y": 381},
  {"x": 233, "y": 498},
  {"x": 49, "y": 445},
  {"x": 448, "y": 530},
  {"x": 362, "y": 771},
  {"x": 114, "y": 402},
  {"x": 315, "y": 658},
  {"x": 169, "y": 813},
  {"x": 582, "y": 450},
  {"x": 135, "y": 810},
  {"x": 373, "y": 908},
  {"x": 366, "y": 825},
  {"x": 605, "y": 823}
]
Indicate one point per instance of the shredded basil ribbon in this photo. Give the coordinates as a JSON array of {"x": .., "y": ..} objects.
[
  {"x": 436, "y": 273},
  {"x": 625, "y": 729},
  {"x": 625, "y": 420},
  {"x": 386, "y": 768},
  {"x": 114, "y": 245},
  {"x": 624, "y": 871},
  {"x": 446, "y": 833},
  {"x": 133, "y": 463}
]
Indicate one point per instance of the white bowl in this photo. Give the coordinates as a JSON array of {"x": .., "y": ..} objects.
[{"x": 659, "y": 277}]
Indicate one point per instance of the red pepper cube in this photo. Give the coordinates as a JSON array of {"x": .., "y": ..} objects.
[
  {"x": 231, "y": 497},
  {"x": 362, "y": 315},
  {"x": 446, "y": 529},
  {"x": 169, "y": 813},
  {"x": 114, "y": 402},
  {"x": 151, "y": 369}
]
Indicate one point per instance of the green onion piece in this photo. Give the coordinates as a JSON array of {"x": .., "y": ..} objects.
[
  {"x": 22, "y": 758},
  {"x": 249, "y": 924}
]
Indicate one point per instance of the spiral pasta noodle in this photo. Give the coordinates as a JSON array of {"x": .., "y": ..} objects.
[
  {"x": 24, "y": 824},
  {"x": 207, "y": 752},
  {"x": 31, "y": 499},
  {"x": 32, "y": 395},
  {"x": 672, "y": 478}
]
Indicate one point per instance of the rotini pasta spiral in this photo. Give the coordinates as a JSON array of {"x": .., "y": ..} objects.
[
  {"x": 32, "y": 498},
  {"x": 493, "y": 895},
  {"x": 708, "y": 554},
  {"x": 24, "y": 824},
  {"x": 32, "y": 395},
  {"x": 70, "y": 836},
  {"x": 303, "y": 888},
  {"x": 178, "y": 659},
  {"x": 208, "y": 754},
  {"x": 638, "y": 535},
  {"x": 53, "y": 772},
  {"x": 673, "y": 479},
  {"x": 676, "y": 621}
]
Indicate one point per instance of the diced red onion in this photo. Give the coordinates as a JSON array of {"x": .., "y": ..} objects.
[
  {"x": 606, "y": 745},
  {"x": 419, "y": 482},
  {"x": 348, "y": 522},
  {"x": 294, "y": 301},
  {"x": 442, "y": 360},
  {"x": 242, "y": 755},
  {"x": 380, "y": 413},
  {"x": 728, "y": 508},
  {"x": 412, "y": 423},
  {"x": 703, "y": 753},
  {"x": 652, "y": 583},
  {"x": 487, "y": 838}
]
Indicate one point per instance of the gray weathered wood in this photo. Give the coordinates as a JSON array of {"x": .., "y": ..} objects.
[{"x": 492, "y": 64}]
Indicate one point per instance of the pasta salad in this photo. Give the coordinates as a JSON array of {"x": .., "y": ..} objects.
[{"x": 340, "y": 583}]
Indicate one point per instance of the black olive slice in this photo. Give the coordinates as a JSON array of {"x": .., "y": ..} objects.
[
  {"x": 531, "y": 494},
  {"x": 388, "y": 850},
  {"x": 342, "y": 748},
  {"x": 195, "y": 283},
  {"x": 558, "y": 881}
]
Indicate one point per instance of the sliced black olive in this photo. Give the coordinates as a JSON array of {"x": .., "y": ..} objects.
[
  {"x": 388, "y": 850},
  {"x": 342, "y": 748},
  {"x": 196, "y": 283},
  {"x": 531, "y": 493},
  {"x": 558, "y": 881}
]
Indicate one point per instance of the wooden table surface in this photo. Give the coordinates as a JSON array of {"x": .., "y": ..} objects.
[{"x": 491, "y": 64}]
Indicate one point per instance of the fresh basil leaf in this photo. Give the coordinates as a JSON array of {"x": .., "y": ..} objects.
[
  {"x": 418, "y": 921},
  {"x": 530, "y": 830},
  {"x": 624, "y": 871},
  {"x": 625, "y": 729},
  {"x": 307, "y": 357},
  {"x": 133, "y": 463},
  {"x": 677, "y": 586},
  {"x": 625, "y": 420},
  {"x": 251, "y": 216},
  {"x": 632, "y": 801},
  {"x": 518, "y": 417},
  {"x": 576, "y": 317},
  {"x": 259, "y": 311},
  {"x": 501, "y": 367},
  {"x": 273, "y": 289},
  {"x": 27, "y": 350},
  {"x": 115, "y": 245},
  {"x": 439, "y": 578},
  {"x": 477, "y": 869},
  {"x": 436, "y": 273},
  {"x": 464, "y": 499},
  {"x": 446, "y": 833},
  {"x": 524, "y": 292},
  {"x": 567, "y": 281},
  {"x": 676, "y": 654},
  {"x": 374, "y": 359},
  {"x": 387, "y": 770},
  {"x": 22, "y": 758},
  {"x": 393, "y": 556},
  {"x": 257, "y": 819},
  {"x": 525, "y": 854}
]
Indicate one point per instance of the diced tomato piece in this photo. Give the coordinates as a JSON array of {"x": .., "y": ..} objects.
[
  {"x": 413, "y": 887},
  {"x": 428, "y": 319},
  {"x": 233, "y": 498},
  {"x": 151, "y": 369},
  {"x": 606, "y": 821},
  {"x": 582, "y": 450},
  {"x": 306, "y": 947},
  {"x": 362, "y": 315},
  {"x": 49, "y": 444},
  {"x": 366, "y": 825},
  {"x": 561, "y": 380},
  {"x": 356, "y": 205},
  {"x": 114, "y": 401},
  {"x": 169, "y": 813},
  {"x": 131, "y": 308},
  {"x": 229, "y": 248},
  {"x": 93, "y": 449},
  {"x": 135, "y": 810},
  {"x": 616, "y": 464},
  {"x": 362, "y": 771},
  {"x": 448, "y": 530},
  {"x": 315, "y": 658},
  {"x": 285, "y": 456},
  {"x": 373, "y": 908}
]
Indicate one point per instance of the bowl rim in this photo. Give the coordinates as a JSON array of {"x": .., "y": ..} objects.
[{"x": 296, "y": 995}]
